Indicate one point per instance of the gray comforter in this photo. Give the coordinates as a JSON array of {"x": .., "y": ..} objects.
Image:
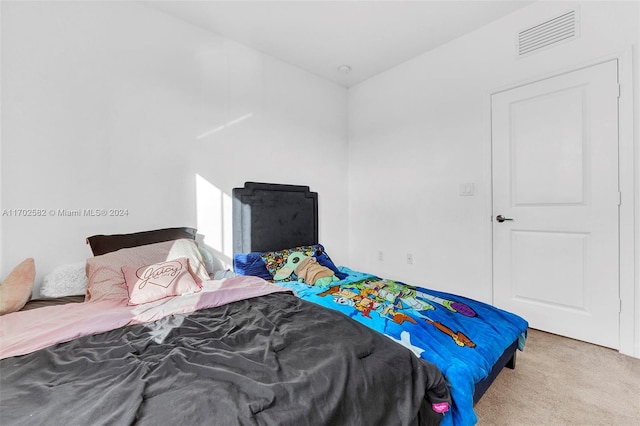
[{"x": 270, "y": 360}]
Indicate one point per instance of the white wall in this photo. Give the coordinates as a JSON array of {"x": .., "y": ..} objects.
[
  {"x": 117, "y": 105},
  {"x": 421, "y": 129}
]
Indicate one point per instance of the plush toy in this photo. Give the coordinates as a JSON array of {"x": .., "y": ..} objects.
[{"x": 307, "y": 269}]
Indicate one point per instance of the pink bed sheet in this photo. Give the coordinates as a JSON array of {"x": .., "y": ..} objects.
[{"x": 27, "y": 331}]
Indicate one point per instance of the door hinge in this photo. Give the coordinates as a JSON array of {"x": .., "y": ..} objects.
[
  {"x": 619, "y": 90},
  {"x": 620, "y": 306},
  {"x": 619, "y": 198}
]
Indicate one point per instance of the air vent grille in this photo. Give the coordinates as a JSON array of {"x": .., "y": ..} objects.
[{"x": 548, "y": 33}]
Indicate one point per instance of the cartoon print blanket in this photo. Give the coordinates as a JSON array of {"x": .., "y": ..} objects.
[{"x": 463, "y": 337}]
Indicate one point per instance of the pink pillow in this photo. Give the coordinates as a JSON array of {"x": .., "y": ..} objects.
[
  {"x": 104, "y": 272},
  {"x": 160, "y": 280},
  {"x": 16, "y": 289}
]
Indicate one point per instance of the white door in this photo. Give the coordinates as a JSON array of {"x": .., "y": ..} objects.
[{"x": 555, "y": 174}]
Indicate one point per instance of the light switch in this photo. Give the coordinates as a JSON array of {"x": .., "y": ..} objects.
[{"x": 467, "y": 189}]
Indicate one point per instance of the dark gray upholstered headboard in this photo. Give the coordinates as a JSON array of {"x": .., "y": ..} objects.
[{"x": 269, "y": 217}]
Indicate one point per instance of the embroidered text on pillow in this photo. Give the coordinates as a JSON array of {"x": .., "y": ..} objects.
[
  {"x": 157, "y": 281},
  {"x": 161, "y": 275}
]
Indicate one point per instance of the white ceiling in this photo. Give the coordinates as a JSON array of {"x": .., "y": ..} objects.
[{"x": 320, "y": 36}]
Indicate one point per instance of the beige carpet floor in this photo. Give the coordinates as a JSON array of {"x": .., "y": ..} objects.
[{"x": 561, "y": 381}]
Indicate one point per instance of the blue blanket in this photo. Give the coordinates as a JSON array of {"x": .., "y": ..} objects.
[{"x": 463, "y": 337}]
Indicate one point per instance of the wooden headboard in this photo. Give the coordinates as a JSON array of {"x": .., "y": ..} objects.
[{"x": 269, "y": 217}]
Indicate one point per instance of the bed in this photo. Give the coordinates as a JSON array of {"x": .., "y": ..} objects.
[
  {"x": 155, "y": 341},
  {"x": 469, "y": 341}
]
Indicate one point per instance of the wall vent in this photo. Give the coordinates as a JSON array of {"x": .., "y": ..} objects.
[{"x": 548, "y": 33}]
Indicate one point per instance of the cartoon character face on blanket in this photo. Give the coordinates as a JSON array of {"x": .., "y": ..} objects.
[{"x": 307, "y": 269}]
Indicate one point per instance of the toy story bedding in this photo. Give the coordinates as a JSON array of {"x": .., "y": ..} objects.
[{"x": 464, "y": 338}]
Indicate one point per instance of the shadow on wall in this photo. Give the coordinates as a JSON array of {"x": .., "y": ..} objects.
[{"x": 214, "y": 221}]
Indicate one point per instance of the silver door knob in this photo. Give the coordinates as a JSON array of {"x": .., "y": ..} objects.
[{"x": 501, "y": 218}]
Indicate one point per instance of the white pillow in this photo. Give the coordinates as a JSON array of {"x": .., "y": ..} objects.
[
  {"x": 208, "y": 260},
  {"x": 65, "y": 280}
]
